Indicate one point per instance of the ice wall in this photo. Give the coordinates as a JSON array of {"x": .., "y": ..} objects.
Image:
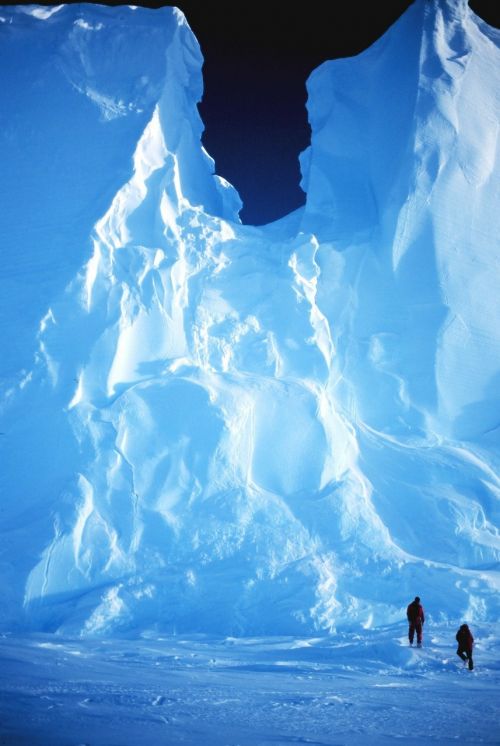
[{"x": 237, "y": 429}]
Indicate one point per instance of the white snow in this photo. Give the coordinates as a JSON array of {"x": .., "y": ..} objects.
[
  {"x": 349, "y": 689},
  {"x": 232, "y": 455}
]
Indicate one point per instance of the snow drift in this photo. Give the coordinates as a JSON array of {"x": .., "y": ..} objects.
[{"x": 217, "y": 427}]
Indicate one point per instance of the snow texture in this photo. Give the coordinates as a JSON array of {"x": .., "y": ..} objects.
[
  {"x": 354, "y": 689},
  {"x": 210, "y": 427}
]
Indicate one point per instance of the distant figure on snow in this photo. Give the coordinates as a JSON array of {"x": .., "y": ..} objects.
[
  {"x": 416, "y": 619},
  {"x": 465, "y": 644}
]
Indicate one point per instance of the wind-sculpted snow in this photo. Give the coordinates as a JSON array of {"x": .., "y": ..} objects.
[{"x": 236, "y": 429}]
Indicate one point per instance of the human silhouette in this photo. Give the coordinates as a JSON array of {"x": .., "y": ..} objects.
[
  {"x": 416, "y": 619},
  {"x": 465, "y": 644}
]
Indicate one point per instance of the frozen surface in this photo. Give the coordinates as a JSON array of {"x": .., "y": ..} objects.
[
  {"x": 216, "y": 428},
  {"x": 342, "y": 691}
]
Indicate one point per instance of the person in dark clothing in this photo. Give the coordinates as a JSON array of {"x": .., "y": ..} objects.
[
  {"x": 416, "y": 619},
  {"x": 465, "y": 644}
]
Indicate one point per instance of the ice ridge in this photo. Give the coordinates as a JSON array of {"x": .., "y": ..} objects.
[{"x": 233, "y": 429}]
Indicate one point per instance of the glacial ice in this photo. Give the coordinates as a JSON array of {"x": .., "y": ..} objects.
[{"x": 208, "y": 426}]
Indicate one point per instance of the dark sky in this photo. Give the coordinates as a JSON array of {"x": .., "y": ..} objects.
[{"x": 258, "y": 56}]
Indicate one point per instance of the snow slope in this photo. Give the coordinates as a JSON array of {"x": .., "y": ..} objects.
[{"x": 238, "y": 430}]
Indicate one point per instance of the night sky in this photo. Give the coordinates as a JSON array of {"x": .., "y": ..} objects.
[{"x": 258, "y": 56}]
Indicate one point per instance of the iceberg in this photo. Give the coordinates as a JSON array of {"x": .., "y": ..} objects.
[{"x": 210, "y": 426}]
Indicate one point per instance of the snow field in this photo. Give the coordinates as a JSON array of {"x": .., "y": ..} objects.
[{"x": 343, "y": 689}]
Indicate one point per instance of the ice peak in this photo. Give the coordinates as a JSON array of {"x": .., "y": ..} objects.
[{"x": 240, "y": 430}]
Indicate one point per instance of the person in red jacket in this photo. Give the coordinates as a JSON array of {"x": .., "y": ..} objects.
[
  {"x": 416, "y": 619},
  {"x": 465, "y": 644}
]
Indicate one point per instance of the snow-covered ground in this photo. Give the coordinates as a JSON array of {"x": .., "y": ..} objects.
[{"x": 357, "y": 688}]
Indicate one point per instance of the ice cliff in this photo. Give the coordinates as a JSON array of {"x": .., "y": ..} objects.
[{"x": 215, "y": 427}]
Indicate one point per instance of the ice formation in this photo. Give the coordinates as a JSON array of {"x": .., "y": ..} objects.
[{"x": 216, "y": 427}]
